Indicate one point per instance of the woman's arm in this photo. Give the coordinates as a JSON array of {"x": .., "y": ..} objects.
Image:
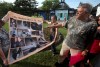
[{"x": 56, "y": 26}]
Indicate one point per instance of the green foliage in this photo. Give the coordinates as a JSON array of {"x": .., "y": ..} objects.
[
  {"x": 63, "y": 31},
  {"x": 6, "y": 26},
  {"x": 25, "y": 7},
  {"x": 55, "y": 4},
  {"x": 49, "y": 4},
  {"x": 46, "y": 5},
  {"x": 4, "y": 8},
  {"x": 25, "y": 4}
]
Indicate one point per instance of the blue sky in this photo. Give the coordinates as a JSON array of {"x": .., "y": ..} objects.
[
  {"x": 75, "y": 3},
  {"x": 71, "y": 3}
]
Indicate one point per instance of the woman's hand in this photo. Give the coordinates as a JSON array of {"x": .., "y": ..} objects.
[{"x": 84, "y": 53}]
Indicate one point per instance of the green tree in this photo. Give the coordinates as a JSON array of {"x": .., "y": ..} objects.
[
  {"x": 25, "y": 7},
  {"x": 49, "y": 4},
  {"x": 55, "y": 3},
  {"x": 4, "y": 8}
]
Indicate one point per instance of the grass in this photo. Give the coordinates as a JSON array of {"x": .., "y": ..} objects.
[
  {"x": 41, "y": 59},
  {"x": 6, "y": 26},
  {"x": 37, "y": 16}
]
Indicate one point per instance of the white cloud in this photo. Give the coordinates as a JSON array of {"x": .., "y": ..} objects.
[
  {"x": 40, "y": 2},
  {"x": 10, "y": 1}
]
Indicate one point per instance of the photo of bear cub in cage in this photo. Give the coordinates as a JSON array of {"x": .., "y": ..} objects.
[
  {"x": 21, "y": 47},
  {"x": 14, "y": 54},
  {"x": 36, "y": 26},
  {"x": 31, "y": 45},
  {"x": 17, "y": 42},
  {"x": 23, "y": 24},
  {"x": 42, "y": 42},
  {"x": 24, "y": 33},
  {"x": 13, "y": 32},
  {"x": 35, "y": 33},
  {"x": 13, "y": 23}
]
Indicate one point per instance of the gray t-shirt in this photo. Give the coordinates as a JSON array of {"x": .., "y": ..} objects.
[{"x": 80, "y": 33}]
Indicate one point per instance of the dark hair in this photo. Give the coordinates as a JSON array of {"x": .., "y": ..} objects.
[
  {"x": 54, "y": 17},
  {"x": 88, "y": 7}
]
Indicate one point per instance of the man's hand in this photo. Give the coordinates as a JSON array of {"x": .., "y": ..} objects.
[
  {"x": 84, "y": 52},
  {"x": 5, "y": 62}
]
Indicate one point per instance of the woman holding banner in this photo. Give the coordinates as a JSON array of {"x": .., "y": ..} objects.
[{"x": 53, "y": 34}]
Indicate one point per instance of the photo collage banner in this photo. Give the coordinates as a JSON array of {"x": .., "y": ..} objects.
[{"x": 26, "y": 38}]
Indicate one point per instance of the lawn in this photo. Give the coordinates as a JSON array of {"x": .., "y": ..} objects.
[{"x": 41, "y": 59}]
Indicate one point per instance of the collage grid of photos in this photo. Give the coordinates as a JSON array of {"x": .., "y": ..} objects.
[{"x": 25, "y": 38}]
